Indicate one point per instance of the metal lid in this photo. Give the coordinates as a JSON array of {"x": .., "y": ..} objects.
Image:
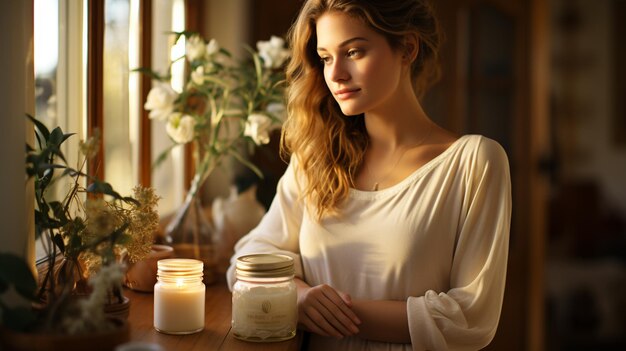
[{"x": 265, "y": 266}]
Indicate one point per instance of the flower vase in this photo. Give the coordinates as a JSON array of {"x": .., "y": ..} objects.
[{"x": 192, "y": 236}]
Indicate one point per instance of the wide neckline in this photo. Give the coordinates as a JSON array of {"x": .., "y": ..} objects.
[{"x": 357, "y": 193}]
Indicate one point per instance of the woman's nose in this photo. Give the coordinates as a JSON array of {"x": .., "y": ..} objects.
[{"x": 338, "y": 71}]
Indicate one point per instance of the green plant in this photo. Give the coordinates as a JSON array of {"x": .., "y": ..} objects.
[
  {"x": 86, "y": 234},
  {"x": 15, "y": 273}
]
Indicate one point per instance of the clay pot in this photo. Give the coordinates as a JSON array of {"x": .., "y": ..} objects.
[
  {"x": 142, "y": 275},
  {"x": 118, "y": 310}
]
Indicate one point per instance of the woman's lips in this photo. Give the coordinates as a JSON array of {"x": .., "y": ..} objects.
[{"x": 344, "y": 94}]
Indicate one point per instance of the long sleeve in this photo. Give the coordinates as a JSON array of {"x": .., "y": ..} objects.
[
  {"x": 278, "y": 230},
  {"x": 466, "y": 316}
]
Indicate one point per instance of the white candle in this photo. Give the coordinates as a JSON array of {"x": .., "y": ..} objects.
[{"x": 179, "y": 297}]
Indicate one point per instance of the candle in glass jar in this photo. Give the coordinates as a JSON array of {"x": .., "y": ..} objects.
[
  {"x": 264, "y": 298},
  {"x": 179, "y": 296}
]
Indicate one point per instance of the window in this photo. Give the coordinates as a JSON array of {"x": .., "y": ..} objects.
[
  {"x": 120, "y": 111},
  {"x": 59, "y": 90},
  {"x": 85, "y": 53},
  {"x": 169, "y": 178}
]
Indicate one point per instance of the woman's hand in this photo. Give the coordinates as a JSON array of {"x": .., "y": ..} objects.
[{"x": 326, "y": 311}]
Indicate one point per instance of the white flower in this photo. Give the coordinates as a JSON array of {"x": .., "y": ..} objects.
[
  {"x": 195, "y": 48},
  {"x": 258, "y": 127},
  {"x": 197, "y": 76},
  {"x": 160, "y": 101},
  {"x": 212, "y": 47},
  {"x": 273, "y": 52},
  {"x": 180, "y": 127},
  {"x": 277, "y": 110}
]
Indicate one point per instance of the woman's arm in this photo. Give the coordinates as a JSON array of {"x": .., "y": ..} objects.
[
  {"x": 278, "y": 231},
  {"x": 465, "y": 317},
  {"x": 328, "y": 312},
  {"x": 383, "y": 320}
]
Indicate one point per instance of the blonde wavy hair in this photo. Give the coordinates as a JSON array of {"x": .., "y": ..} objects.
[{"x": 329, "y": 145}]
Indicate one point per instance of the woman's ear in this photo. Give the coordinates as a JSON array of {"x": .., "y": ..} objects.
[{"x": 411, "y": 48}]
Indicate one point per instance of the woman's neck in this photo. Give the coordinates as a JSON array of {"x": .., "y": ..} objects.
[{"x": 400, "y": 123}]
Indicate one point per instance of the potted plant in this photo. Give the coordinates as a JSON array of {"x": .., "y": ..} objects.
[
  {"x": 226, "y": 107},
  {"x": 88, "y": 235}
]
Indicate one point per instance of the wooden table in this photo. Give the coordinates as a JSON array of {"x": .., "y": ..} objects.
[{"x": 216, "y": 335}]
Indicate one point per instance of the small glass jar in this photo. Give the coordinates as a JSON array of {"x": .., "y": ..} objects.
[
  {"x": 264, "y": 298},
  {"x": 179, "y": 296}
]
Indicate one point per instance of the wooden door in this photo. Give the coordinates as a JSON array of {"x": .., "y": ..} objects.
[{"x": 494, "y": 83}]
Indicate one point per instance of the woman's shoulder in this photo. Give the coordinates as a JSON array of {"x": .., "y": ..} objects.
[
  {"x": 478, "y": 151},
  {"x": 485, "y": 147}
]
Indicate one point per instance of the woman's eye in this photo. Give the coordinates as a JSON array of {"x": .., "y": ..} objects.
[
  {"x": 325, "y": 60},
  {"x": 354, "y": 53}
]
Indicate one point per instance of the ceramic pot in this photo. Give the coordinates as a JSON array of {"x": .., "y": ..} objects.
[
  {"x": 119, "y": 310},
  {"x": 142, "y": 275}
]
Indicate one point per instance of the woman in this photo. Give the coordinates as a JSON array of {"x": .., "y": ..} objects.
[{"x": 399, "y": 228}]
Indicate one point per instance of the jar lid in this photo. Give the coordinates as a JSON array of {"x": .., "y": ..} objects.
[
  {"x": 265, "y": 266},
  {"x": 179, "y": 268}
]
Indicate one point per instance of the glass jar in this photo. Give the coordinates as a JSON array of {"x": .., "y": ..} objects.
[
  {"x": 179, "y": 296},
  {"x": 193, "y": 236},
  {"x": 264, "y": 298}
]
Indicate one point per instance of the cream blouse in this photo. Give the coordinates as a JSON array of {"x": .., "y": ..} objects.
[{"x": 437, "y": 240}]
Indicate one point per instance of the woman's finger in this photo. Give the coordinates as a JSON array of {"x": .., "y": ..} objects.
[
  {"x": 336, "y": 315},
  {"x": 329, "y": 312},
  {"x": 318, "y": 321},
  {"x": 343, "y": 301}
]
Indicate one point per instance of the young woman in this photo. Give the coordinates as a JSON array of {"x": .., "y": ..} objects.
[{"x": 399, "y": 228}]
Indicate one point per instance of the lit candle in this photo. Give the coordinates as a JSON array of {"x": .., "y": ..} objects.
[{"x": 179, "y": 296}]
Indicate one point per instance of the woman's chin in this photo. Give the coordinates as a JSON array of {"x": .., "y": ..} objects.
[{"x": 350, "y": 110}]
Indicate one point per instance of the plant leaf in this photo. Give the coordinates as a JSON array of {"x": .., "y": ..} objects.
[
  {"x": 246, "y": 163},
  {"x": 59, "y": 242},
  {"x": 162, "y": 156},
  {"x": 258, "y": 67},
  {"x": 57, "y": 137},
  {"x": 98, "y": 187},
  {"x": 152, "y": 74},
  {"x": 40, "y": 127},
  {"x": 14, "y": 271},
  {"x": 59, "y": 210}
]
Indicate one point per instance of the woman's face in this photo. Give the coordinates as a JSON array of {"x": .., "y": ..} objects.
[{"x": 360, "y": 68}]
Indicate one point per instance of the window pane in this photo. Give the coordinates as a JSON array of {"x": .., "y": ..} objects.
[
  {"x": 120, "y": 164},
  {"x": 59, "y": 77},
  {"x": 46, "y": 60},
  {"x": 46, "y": 48},
  {"x": 168, "y": 178}
]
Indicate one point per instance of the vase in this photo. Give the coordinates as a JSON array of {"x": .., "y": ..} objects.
[
  {"x": 95, "y": 341},
  {"x": 192, "y": 236},
  {"x": 142, "y": 275},
  {"x": 234, "y": 217}
]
